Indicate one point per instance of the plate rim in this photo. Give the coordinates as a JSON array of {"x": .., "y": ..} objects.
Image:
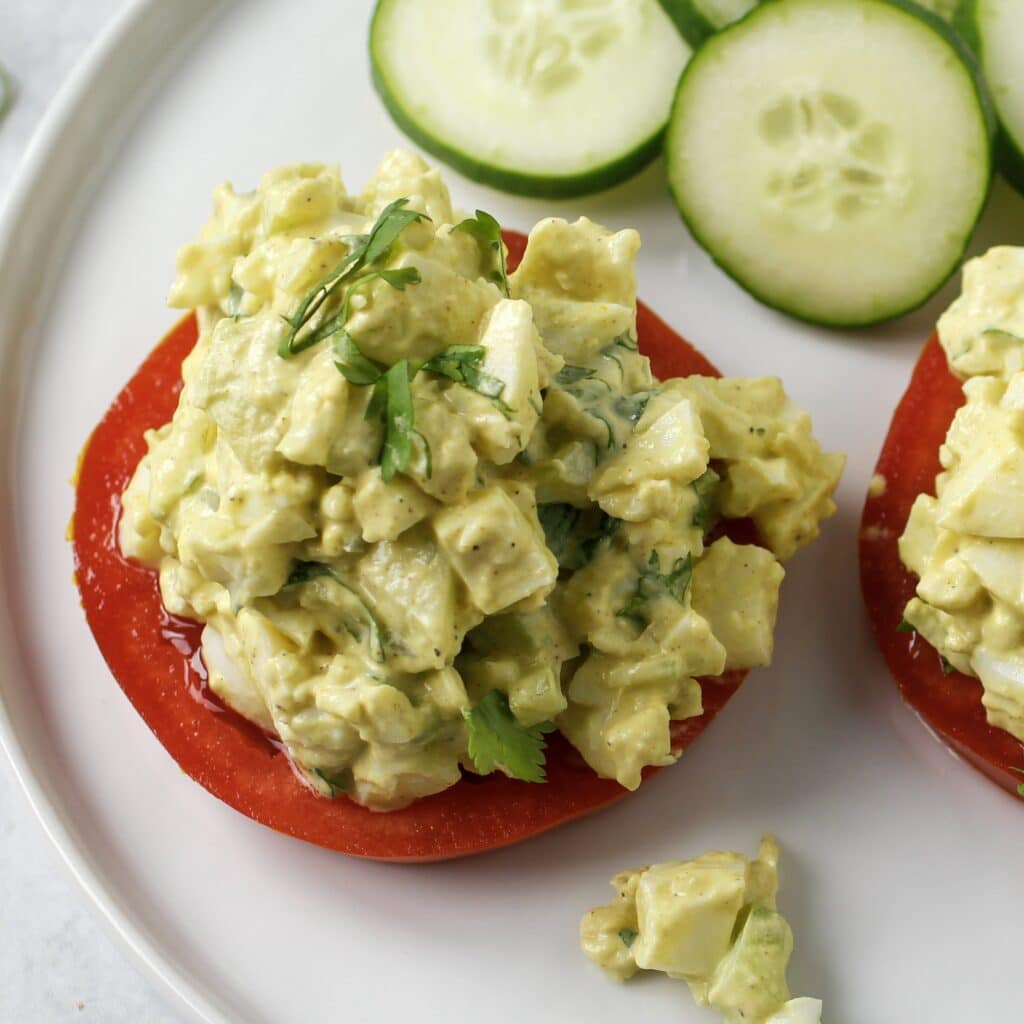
[{"x": 127, "y": 27}]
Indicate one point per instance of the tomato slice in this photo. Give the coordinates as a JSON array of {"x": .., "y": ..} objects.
[
  {"x": 950, "y": 704},
  {"x": 155, "y": 659}
]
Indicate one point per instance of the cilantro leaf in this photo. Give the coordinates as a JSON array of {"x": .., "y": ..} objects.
[
  {"x": 558, "y": 522},
  {"x": 607, "y": 528},
  {"x": 575, "y": 535},
  {"x": 306, "y": 572},
  {"x": 461, "y": 363},
  {"x": 905, "y": 627},
  {"x": 351, "y": 362},
  {"x": 628, "y": 936},
  {"x": 947, "y": 666},
  {"x": 498, "y": 740},
  {"x": 570, "y": 374},
  {"x": 706, "y": 489},
  {"x": 337, "y": 782},
  {"x": 398, "y": 279},
  {"x": 652, "y": 583},
  {"x": 631, "y": 407},
  {"x": 391, "y": 222},
  {"x": 399, "y": 420},
  {"x": 364, "y": 251},
  {"x": 487, "y": 233}
]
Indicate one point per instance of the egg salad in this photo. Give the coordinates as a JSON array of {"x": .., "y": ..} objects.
[
  {"x": 967, "y": 543},
  {"x": 429, "y": 510},
  {"x": 711, "y": 922}
]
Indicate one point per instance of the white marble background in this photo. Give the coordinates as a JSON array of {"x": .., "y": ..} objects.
[{"x": 58, "y": 962}]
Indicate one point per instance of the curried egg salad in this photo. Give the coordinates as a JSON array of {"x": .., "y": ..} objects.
[
  {"x": 711, "y": 922},
  {"x": 967, "y": 543},
  {"x": 430, "y": 511}
]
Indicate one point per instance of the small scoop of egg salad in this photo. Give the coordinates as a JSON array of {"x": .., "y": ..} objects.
[
  {"x": 429, "y": 510},
  {"x": 711, "y": 922},
  {"x": 967, "y": 543}
]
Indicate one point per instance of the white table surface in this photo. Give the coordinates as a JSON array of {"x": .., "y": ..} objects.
[{"x": 57, "y": 960}]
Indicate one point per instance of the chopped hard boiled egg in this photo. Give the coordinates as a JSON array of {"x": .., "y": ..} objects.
[{"x": 429, "y": 510}]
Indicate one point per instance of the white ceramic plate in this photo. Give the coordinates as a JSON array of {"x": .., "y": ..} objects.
[{"x": 901, "y": 873}]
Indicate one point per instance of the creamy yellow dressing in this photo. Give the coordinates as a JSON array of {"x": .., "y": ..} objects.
[
  {"x": 711, "y": 922},
  {"x": 967, "y": 543},
  {"x": 543, "y": 539}
]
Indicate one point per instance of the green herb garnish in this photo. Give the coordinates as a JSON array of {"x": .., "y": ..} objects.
[
  {"x": 364, "y": 251},
  {"x": 570, "y": 374},
  {"x": 392, "y": 403},
  {"x": 306, "y": 572},
  {"x": 575, "y": 535},
  {"x": 461, "y": 363},
  {"x": 337, "y": 782},
  {"x": 947, "y": 665},
  {"x": 628, "y": 936},
  {"x": 905, "y": 627},
  {"x": 487, "y": 233},
  {"x": 631, "y": 407},
  {"x": 706, "y": 489},
  {"x": 558, "y": 520},
  {"x": 653, "y": 583},
  {"x": 399, "y": 421},
  {"x": 498, "y": 740}
]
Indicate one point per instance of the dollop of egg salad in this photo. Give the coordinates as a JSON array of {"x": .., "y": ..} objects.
[
  {"x": 430, "y": 511},
  {"x": 711, "y": 922}
]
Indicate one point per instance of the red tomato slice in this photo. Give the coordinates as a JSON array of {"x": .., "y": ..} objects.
[
  {"x": 155, "y": 659},
  {"x": 950, "y": 704}
]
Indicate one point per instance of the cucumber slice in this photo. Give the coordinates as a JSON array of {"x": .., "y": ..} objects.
[
  {"x": 833, "y": 156},
  {"x": 698, "y": 19},
  {"x": 553, "y": 99},
  {"x": 995, "y": 29}
]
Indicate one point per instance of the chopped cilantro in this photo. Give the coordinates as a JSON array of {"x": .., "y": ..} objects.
[
  {"x": 399, "y": 418},
  {"x": 653, "y": 583},
  {"x": 461, "y": 363},
  {"x": 498, "y": 740},
  {"x": 336, "y": 782},
  {"x": 628, "y": 936},
  {"x": 905, "y": 627},
  {"x": 631, "y": 407},
  {"x": 570, "y": 374},
  {"x": 487, "y": 233},
  {"x": 706, "y": 489},
  {"x": 367, "y": 621},
  {"x": 575, "y": 535},
  {"x": 364, "y": 251},
  {"x": 558, "y": 521}
]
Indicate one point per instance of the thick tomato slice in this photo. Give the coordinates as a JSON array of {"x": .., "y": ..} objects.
[
  {"x": 950, "y": 704},
  {"x": 155, "y": 659}
]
